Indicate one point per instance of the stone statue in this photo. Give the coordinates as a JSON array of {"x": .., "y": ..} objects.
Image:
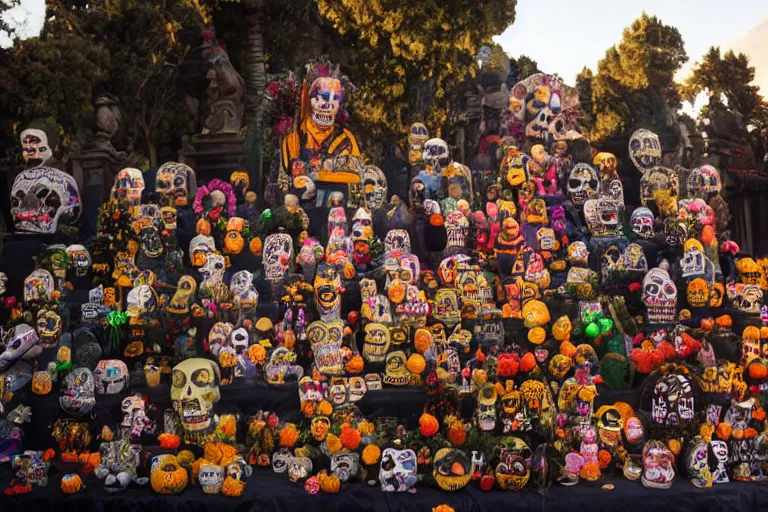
[{"x": 225, "y": 92}]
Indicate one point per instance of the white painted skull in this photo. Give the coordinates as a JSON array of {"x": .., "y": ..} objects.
[
  {"x": 660, "y": 295},
  {"x": 704, "y": 181},
  {"x": 278, "y": 254},
  {"x": 241, "y": 287},
  {"x": 436, "y": 155},
  {"x": 21, "y": 342},
  {"x": 35, "y": 147},
  {"x": 175, "y": 183},
  {"x": 3, "y": 283},
  {"x": 42, "y": 198},
  {"x": 194, "y": 390},
  {"x": 213, "y": 270},
  {"x": 80, "y": 259},
  {"x": 645, "y": 149},
  {"x": 37, "y": 285},
  {"x": 582, "y": 183},
  {"x": 642, "y": 222},
  {"x": 325, "y": 97},
  {"x": 240, "y": 340}
]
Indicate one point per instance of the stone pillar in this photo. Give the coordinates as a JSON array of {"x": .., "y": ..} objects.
[
  {"x": 214, "y": 155},
  {"x": 94, "y": 170}
]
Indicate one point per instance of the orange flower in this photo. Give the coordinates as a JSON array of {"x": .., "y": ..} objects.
[
  {"x": 355, "y": 365},
  {"x": 169, "y": 441},
  {"x": 724, "y": 321},
  {"x": 457, "y": 435},
  {"x": 590, "y": 471},
  {"x": 371, "y": 454},
  {"x": 308, "y": 408},
  {"x": 288, "y": 436},
  {"x": 750, "y": 433},
  {"x": 428, "y": 425},
  {"x": 333, "y": 443},
  {"x": 325, "y": 408},
  {"x": 443, "y": 508},
  {"x": 527, "y": 363},
  {"x": 350, "y": 438},
  {"x": 675, "y": 446},
  {"x": 560, "y": 433},
  {"x": 604, "y": 458},
  {"x": 568, "y": 349},
  {"x": 759, "y": 414},
  {"x": 724, "y": 431},
  {"x": 738, "y": 434},
  {"x": 49, "y": 455}
]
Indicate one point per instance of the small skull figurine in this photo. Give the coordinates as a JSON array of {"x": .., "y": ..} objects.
[
  {"x": 435, "y": 155},
  {"x": 175, "y": 183},
  {"x": 194, "y": 390},
  {"x": 35, "y": 147},
  {"x": 660, "y": 295},
  {"x": 642, "y": 222},
  {"x": 151, "y": 243},
  {"x": 80, "y": 259},
  {"x": 129, "y": 185},
  {"x": 278, "y": 255}
]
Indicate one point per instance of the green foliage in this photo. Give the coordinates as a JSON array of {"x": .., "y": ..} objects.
[
  {"x": 409, "y": 56},
  {"x": 634, "y": 84},
  {"x": 526, "y": 67},
  {"x": 52, "y": 78},
  {"x": 728, "y": 75}
]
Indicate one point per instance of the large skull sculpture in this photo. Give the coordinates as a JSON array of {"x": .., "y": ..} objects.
[
  {"x": 436, "y": 155},
  {"x": 583, "y": 183},
  {"x": 20, "y": 342},
  {"x": 129, "y": 184},
  {"x": 673, "y": 401},
  {"x": 194, "y": 390},
  {"x": 43, "y": 197},
  {"x": 35, "y": 147},
  {"x": 704, "y": 181},
  {"x": 456, "y": 227},
  {"x": 374, "y": 187},
  {"x": 325, "y": 97},
  {"x": 175, "y": 183}
]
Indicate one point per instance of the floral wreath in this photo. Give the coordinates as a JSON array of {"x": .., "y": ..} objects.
[{"x": 206, "y": 190}]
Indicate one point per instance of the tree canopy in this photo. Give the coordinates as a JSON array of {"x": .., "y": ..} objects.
[{"x": 634, "y": 83}]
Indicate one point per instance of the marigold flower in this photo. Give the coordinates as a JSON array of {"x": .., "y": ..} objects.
[
  {"x": 288, "y": 436},
  {"x": 350, "y": 438},
  {"x": 674, "y": 446},
  {"x": 604, "y": 458},
  {"x": 371, "y": 454},
  {"x": 724, "y": 431},
  {"x": 428, "y": 425},
  {"x": 324, "y": 408},
  {"x": 333, "y": 443}
]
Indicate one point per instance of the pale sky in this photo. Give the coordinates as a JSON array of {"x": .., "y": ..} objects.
[{"x": 563, "y": 36}]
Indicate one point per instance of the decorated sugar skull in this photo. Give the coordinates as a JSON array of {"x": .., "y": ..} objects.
[
  {"x": 435, "y": 155},
  {"x": 199, "y": 248},
  {"x": 327, "y": 286},
  {"x": 110, "y": 376},
  {"x": 374, "y": 184},
  {"x": 242, "y": 289},
  {"x": 642, "y": 221},
  {"x": 325, "y": 97},
  {"x": 746, "y": 298},
  {"x": 213, "y": 270},
  {"x": 194, "y": 390},
  {"x": 660, "y": 295},
  {"x": 151, "y": 244},
  {"x": 697, "y": 464},
  {"x": 142, "y": 300},
  {"x": 658, "y": 466},
  {"x": 3, "y": 283},
  {"x": 486, "y": 408},
  {"x": 218, "y": 336},
  {"x": 452, "y": 469},
  {"x": 513, "y": 470},
  {"x": 135, "y": 420},
  {"x": 720, "y": 451},
  {"x": 398, "y": 470},
  {"x": 80, "y": 259},
  {"x": 673, "y": 401},
  {"x": 281, "y": 460},
  {"x": 20, "y": 342},
  {"x": 583, "y": 183},
  {"x": 660, "y": 186},
  {"x": 325, "y": 340},
  {"x": 345, "y": 466},
  {"x": 376, "y": 344},
  {"x": 397, "y": 240},
  {"x": 44, "y": 198},
  {"x": 78, "y": 398},
  {"x": 236, "y": 476},
  {"x": 417, "y": 136},
  {"x": 48, "y": 327},
  {"x": 456, "y": 227},
  {"x": 169, "y": 216},
  {"x": 603, "y": 216},
  {"x": 645, "y": 149},
  {"x": 210, "y": 477},
  {"x": 35, "y": 148},
  {"x": 128, "y": 186},
  {"x": 299, "y": 469},
  {"x": 167, "y": 476},
  {"x": 175, "y": 183},
  {"x": 362, "y": 227},
  {"x": 278, "y": 255},
  {"x": 704, "y": 181}
]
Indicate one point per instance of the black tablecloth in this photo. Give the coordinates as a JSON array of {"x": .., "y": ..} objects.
[{"x": 268, "y": 492}]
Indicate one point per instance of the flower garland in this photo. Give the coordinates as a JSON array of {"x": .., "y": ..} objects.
[{"x": 206, "y": 190}]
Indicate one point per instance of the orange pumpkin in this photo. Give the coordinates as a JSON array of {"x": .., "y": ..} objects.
[
  {"x": 708, "y": 324},
  {"x": 757, "y": 370},
  {"x": 167, "y": 475},
  {"x": 71, "y": 483},
  {"x": 725, "y": 322},
  {"x": 416, "y": 363}
]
